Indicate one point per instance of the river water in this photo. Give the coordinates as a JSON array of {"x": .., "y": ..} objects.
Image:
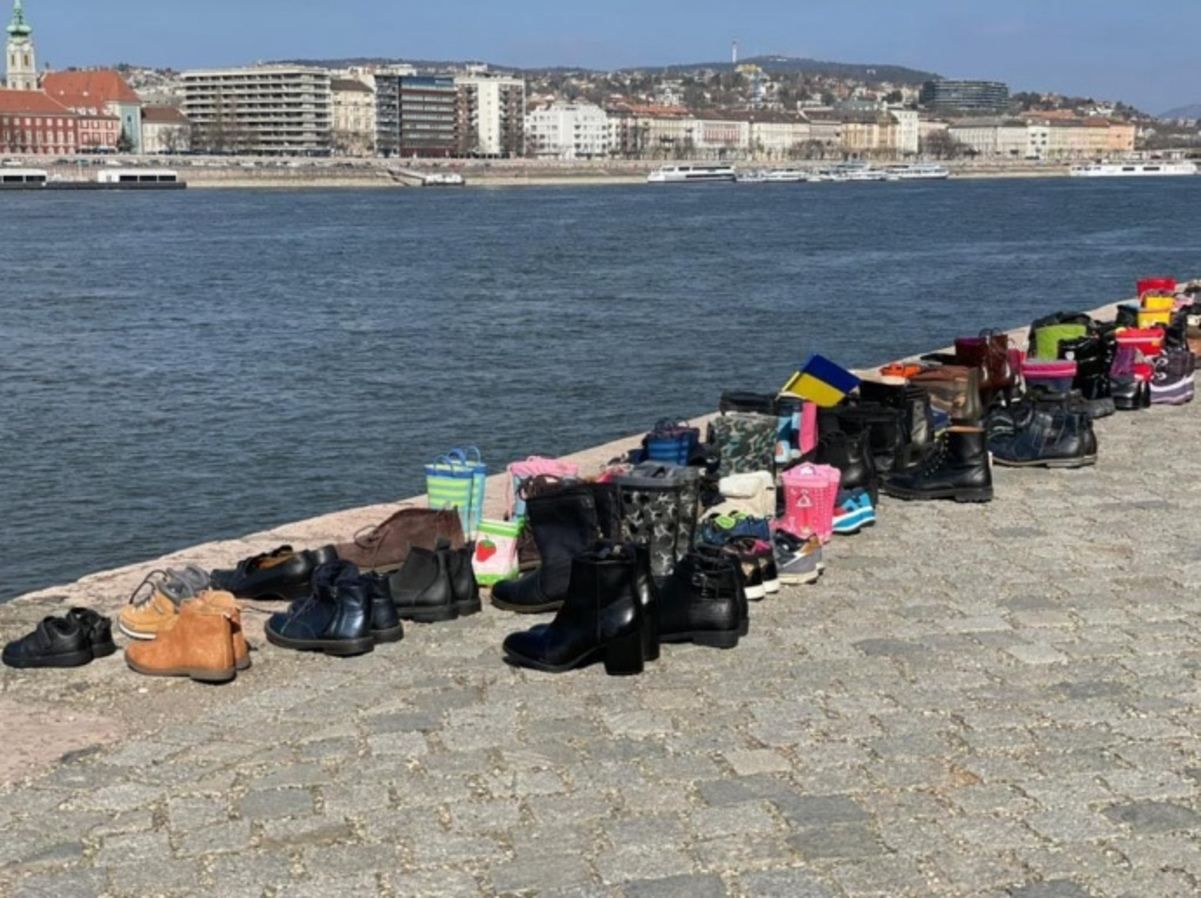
[{"x": 188, "y": 366}]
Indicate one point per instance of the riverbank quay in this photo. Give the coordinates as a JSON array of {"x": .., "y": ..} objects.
[
  {"x": 993, "y": 701},
  {"x": 308, "y": 173}
]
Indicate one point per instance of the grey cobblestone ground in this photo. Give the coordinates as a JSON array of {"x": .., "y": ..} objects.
[{"x": 976, "y": 701}]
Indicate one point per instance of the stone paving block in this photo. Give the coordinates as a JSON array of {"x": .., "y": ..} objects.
[
  {"x": 1154, "y": 816},
  {"x": 749, "y": 763},
  {"x": 1059, "y": 888},
  {"x": 692, "y": 886},
  {"x": 231, "y": 836},
  {"x": 784, "y": 884},
  {"x": 271, "y": 803},
  {"x": 844, "y": 840},
  {"x": 77, "y": 883},
  {"x": 537, "y": 874}
]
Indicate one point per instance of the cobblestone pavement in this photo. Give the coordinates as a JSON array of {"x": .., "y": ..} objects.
[{"x": 981, "y": 701}]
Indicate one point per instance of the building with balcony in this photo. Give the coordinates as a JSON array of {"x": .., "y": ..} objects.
[
  {"x": 994, "y": 138},
  {"x": 262, "y": 110},
  {"x": 353, "y": 102},
  {"x": 980, "y": 97},
  {"x": 416, "y": 116},
  {"x": 564, "y": 130},
  {"x": 778, "y": 135},
  {"x": 491, "y": 115}
]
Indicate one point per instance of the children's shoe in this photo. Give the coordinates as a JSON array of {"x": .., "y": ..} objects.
[
  {"x": 798, "y": 561},
  {"x": 155, "y": 602},
  {"x": 854, "y": 512}
]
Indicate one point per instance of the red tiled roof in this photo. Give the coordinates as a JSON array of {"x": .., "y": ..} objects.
[
  {"x": 163, "y": 115},
  {"x": 94, "y": 87},
  {"x": 21, "y": 102}
]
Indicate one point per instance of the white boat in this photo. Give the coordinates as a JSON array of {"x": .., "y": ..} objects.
[
  {"x": 853, "y": 171},
  {"x": 22, "y": 178},
  {"x": 691, "y": 174},
  {"x": 751, "y": 177},
  {"x": 920, "y": 171},
  {"x": 786, "y": 176},
  {"x": 443, "y": 179},
  {"x": 1134, "y": 169},
  {"x": 140, "y": 178}
]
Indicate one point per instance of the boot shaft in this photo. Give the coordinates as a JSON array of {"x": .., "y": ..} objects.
[{"x": 954, "y": 390}]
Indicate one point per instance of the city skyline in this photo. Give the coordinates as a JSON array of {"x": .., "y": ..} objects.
[{"x": 1080, "y": 48}]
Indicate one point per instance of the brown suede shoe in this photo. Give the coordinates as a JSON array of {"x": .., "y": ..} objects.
[
  {"x": 200, "y": 646},
  {"x": 386, "y": 546},
  {"x": 225, "y": 603}
]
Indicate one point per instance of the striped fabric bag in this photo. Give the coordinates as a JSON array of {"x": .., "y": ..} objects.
[{"x": 457, "y": 481}]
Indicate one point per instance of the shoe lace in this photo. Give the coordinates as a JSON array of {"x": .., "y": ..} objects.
[
  {"x": 141, "y": 595},
  {"x": 935, "y": 459}
]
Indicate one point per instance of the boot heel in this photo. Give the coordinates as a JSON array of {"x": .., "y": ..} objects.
[
  {"x": 718, "y": 639},
  {"x": 623, "y": 655}
]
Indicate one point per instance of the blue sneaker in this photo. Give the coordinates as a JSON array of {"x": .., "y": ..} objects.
[
  {"x": 853, "y": 512},
  {"x": 718, "y": 530}
]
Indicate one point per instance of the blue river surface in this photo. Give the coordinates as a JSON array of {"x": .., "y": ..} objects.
[{"x": 182, "y": 367}]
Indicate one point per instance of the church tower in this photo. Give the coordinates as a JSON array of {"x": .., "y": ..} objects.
[{"x": 22, "y": 65}]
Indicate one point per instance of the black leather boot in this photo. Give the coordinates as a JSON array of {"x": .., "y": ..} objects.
[
  {"x": 884, "y": 426},
  {"x": 1049, "y": 430},
  {"x": 648, "y": 595},
  {"x": 917, "y": 419},
  {"x": 704, "y": 602},
  {"x": 463, "y": 586},
  {"x": 334, "y": 619},
  {"x": 565, "y": 524},
  {"x": 957, "y": 468},
  {"x": 852, "y": 456},
  {"x": 385, "y": 622},
  {"x": 601, "y": 618},
  {"x": 1092, "y": 373},
  {"x": 422, "y": 590}
]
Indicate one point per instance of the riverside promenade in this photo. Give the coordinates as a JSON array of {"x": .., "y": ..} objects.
[{"x": 984, "y": 701}]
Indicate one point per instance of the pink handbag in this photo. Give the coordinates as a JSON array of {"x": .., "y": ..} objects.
[
  {"x": 534, "y": 466},
  {"x": 810, "y": 492}
]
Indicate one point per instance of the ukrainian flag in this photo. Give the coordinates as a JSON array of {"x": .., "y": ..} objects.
[{"x": 822, "y": 382}]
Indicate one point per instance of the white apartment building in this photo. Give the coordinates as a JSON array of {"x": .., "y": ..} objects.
[
  {"x": 264, "y": 110},
  {"x": 566, "y": 130},
  {"x": 995, "y": 138},
  {"x": 492, "y": 115},
  {"x": 353, "y": 116},
  {"x": 908, "y": 137}
]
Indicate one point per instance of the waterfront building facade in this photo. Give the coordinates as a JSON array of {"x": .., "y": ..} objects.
[
  {"x": 992, "y": 138},
  {"x": 261, "y": 110},
  {"x": 416, "y": 116},
  {"x": 165, "y": 130},
  {"x": 101, "y": 94},
  {"x": 723, "y": 138},
  {"x": 1065, "y": 138},
  {"x": 33, "y": 124},
  {"x": 982, "y": 97},
  {"x": 778, "y": 135},
  {"x": 492, "y": 110},
  {"x": 21, "y": 72},
  {"x": 354, "y": 122},
  {"x": 569, "y": 131}
]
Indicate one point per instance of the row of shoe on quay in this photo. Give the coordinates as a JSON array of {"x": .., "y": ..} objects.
[{"x": 672, "y": 543}]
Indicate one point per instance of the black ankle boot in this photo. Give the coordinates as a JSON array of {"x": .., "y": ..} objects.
[
  {"x": 601, "y": 618},
  {"x": 883, "y": 425},
  {"x": 463, "y": 586},
  {"x": 852, "y": 456},
  {"x": 957, "y": 468},
  {"x": 1050, "y": 430},
  {"x": 704, "y": 601},
  {"x": 385, "y": 622},
  {"x": 335, "y": 618},
  {"x": 422, "y": 590},
  {"x": 1092, "y": 373},
  {"x": 565, "y": 523}
]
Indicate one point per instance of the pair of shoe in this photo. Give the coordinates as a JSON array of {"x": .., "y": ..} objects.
[
  {"x": 614, "y": 612},
  {"x": 956, "y": 467},
  {"x": 1043, "y": 429},
  {"x": 346, "y": 613},
  {"x": 798, "y": 561},
  {"x": 436, "y": 584},
  {"x": 281, "y": 574},
  {"x": 757, "y": 559},
  {"x": 79, "y": 637},
  {"x": 853, "y": 511},
  {"x": 155, "y": 602},
  {"x": 204, "y": 642}
]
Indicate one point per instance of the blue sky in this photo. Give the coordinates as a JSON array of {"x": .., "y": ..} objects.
[{"x": 1143, "y": 52}]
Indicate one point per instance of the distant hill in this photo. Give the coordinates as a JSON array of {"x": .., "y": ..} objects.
[
  {"x": 783, "y": 64},
  {"x": 1193, "y": 111},
  {"x": 792, "y": 65}
]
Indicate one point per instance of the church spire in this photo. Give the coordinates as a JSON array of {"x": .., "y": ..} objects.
[{"x": 18, "y": 28}]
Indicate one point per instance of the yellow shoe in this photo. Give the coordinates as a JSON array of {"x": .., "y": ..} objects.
[{"x": 154, "y": 605}]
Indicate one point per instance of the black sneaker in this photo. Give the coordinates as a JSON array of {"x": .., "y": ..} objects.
[{"x": 59, "y": 642}]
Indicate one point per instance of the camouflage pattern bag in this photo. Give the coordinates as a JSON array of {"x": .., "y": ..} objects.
[
  {"x": 659, "y": 508},
  {"x": 746, "y": 442}
]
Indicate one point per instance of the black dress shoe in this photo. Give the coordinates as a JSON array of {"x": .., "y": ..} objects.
[
  {"x": 334, "y": 619},
  {"x": 601, "y": 619},
  {"x": 55, "y": 642},
  {"x": 423, "y": 590},
  {"x": 280, "y": 574}
]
